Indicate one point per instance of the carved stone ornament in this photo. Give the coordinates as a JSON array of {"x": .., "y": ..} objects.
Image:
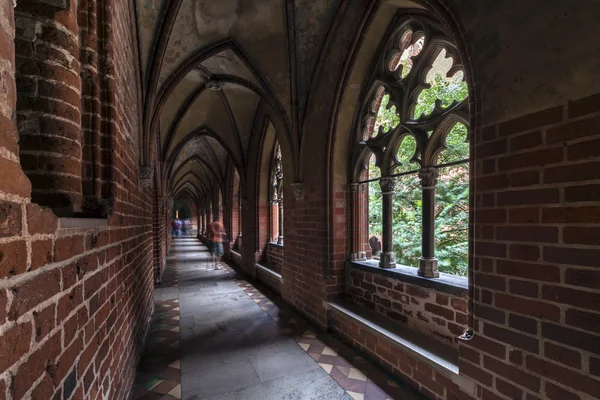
[
  {"x": 388, "y": 185},
  {"x": 428, "y": 177},
  {"x": 213, "y": 85},
  {"x": 354, "y": 187},
  {"x": 14, "y": 3},
  {"x": 146, "y": 175},
  {"x": 387, "y": 260},
  {"x": 298, "y": 190}
]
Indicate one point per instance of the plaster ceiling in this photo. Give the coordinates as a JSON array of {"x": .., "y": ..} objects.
[{"x": 206, "y": 108}]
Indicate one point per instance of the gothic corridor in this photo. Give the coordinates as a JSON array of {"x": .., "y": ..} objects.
[{"x": 299, "y": 199}]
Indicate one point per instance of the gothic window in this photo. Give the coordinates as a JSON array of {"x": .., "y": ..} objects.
[
  {"x": 276, "y": 196},
  {"x": 412, "y": 153}
]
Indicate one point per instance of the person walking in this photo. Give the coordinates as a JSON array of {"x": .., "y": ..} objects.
[
  {"x": 174, "y": 228},
  {"x": 216, "y": 243}
]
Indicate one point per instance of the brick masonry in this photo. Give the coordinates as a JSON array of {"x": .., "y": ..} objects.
[
  {"x": 439, "y": 315},
  {"x": 274, "y": 257},
  {"x": 74, "y": 302}
]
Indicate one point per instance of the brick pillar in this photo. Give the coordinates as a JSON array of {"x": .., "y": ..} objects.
[
  {"x": 49, "y": 102},
  {"x": 273, "y": 221},
  {"x": 358, "y": 214}
]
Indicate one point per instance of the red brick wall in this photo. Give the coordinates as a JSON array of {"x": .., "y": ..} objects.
[
  {"x": 49, "y": 103},
  {"x": 413, "y": 372},
  {"x": 74, "y": 302},
  {"x": 304, "y": 284},
  {"x": 275, "y": 257},
  {"x": 439, "y": 315},
  {"x": 537, "y": 229}
]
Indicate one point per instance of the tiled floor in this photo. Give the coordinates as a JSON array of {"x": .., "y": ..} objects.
[{"x": 240, "y": 341}]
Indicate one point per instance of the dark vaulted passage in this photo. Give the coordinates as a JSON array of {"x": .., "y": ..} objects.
[{"x": 299, "y": 199}]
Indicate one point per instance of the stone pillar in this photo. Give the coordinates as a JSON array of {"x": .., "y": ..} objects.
[
  {"x": 387, "y": 258},
  {"x": 427, "y": 261},
  {"x": 280, "y": 209},
  {"x": 357, "y": 251}
]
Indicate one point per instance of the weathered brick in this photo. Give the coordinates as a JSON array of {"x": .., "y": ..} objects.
[
  {"x": 34, "y": 291},
  {"x": 10, "y": 219},
  {"x": 41, "y": 253},
  {"x": 13, "y": 258},
  {"x": 40, "y": 220},
  {"x": 14, "y": 344},
  {"x": 36, "y": 365}
]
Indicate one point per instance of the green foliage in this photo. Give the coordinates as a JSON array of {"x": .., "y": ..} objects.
[
  {"x": 406, "y": 151},
  {"x": 406, "y": 220},
  {"x": 452, "y": 219},
  {"x": 446, "y": 90},
  {"x": 451, "y": 211},
  {"x": 457, "y": 147},
  {"x": 386, "y": 117}
]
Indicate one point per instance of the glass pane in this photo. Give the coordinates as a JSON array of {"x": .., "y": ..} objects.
[
  {"x": 443, "y": 88},
  {"x": 406, "y": 151},
  {"x": 452, "y": 219},
  {"x": 406, "y": 220},
  {"x": 386, "y": 117},
  {"x": 457, "y": 148}
]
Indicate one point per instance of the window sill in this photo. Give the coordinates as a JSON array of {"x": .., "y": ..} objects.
[
  {"x": 440, "y": 357},
  {"x": 268, "y": 271},
  {"x": 275, "y": 244},
  {"x": 446, "y": 283},
  {"x": 74, "y": 223}
]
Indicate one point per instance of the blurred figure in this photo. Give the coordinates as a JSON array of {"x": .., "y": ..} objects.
[
  {"x": 216, "y": 241},
  {"x": 178, "y": 227},
  {"x": 183, "y": 228},
  {"x": 174, "y": 227},
  {"x": 187, "y": 225}
]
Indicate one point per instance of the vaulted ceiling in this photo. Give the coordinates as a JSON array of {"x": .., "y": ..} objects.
[{"x": 209, "y": 66}]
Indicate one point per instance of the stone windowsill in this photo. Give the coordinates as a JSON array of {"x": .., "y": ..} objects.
[
  {"x": 268, "y": 271},
  {"x": 439, "y": 356},
  {"x": 71, "y": 223},
  {"x": 446, "y": 283},
  {"x": 274, "y": 244}
]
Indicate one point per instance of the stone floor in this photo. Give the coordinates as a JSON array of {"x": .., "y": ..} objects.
[{"x": 215, "y": 335}]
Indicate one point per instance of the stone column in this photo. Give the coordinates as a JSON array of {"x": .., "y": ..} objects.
[
  {"x": 427, "y": 261},
  {"x": 357, "y": 252},
  {"x": 280, "y": 209},
  {"x": 387, "y": 257}
]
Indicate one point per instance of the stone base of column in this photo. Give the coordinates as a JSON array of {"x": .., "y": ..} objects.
[
  {"x": 360, "y": 256},
  {"x": 387, "y": 260},
  {"x": 280, "y": 240},
  {"x": 428, "y": 268}
]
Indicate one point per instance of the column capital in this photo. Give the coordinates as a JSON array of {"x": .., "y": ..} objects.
[
  {"x": 387, "y": 184},
  {"x": 146, "y": 176},
  {"x": 428, "y": 177}
]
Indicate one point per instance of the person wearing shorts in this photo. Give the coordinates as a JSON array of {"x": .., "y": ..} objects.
[{"x": 216, "y": 242}]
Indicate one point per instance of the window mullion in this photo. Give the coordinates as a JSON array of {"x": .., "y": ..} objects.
[{"x": 427, "y": 262}]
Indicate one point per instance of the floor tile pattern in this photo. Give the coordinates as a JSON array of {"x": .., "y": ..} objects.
[
  {"x": 357, "y": 376},
  {"x": 216, "y": 336},
  {"x": 159, "y": 371}
]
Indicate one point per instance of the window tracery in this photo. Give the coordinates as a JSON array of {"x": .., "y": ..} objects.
[
  {"x": 277, "y": 192},
  {"x": 413, "y": 131}
]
